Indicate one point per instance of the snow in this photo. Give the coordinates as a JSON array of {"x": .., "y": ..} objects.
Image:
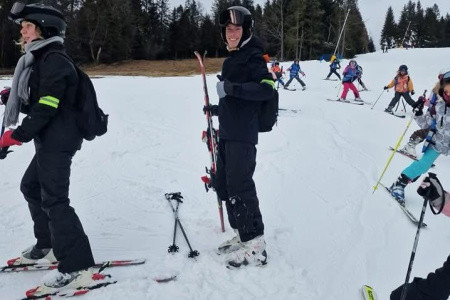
[{"x": 326, "y": 232}]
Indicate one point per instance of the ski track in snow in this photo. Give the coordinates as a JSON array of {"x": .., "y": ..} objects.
[{"x": 326, "y": 233}]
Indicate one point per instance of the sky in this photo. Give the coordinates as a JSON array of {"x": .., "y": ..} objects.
[
  {"x": 327, "y": 233},
  {"x": 373, "y": 12}
]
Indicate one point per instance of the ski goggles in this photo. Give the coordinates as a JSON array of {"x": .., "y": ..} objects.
[
  {"x": 231, "y": 16},
  {"x": 16, "y": 11},
  {"x": 446, "y": 77}
]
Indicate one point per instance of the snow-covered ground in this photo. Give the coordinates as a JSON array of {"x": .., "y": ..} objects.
[{"x": 326, "y": 233}]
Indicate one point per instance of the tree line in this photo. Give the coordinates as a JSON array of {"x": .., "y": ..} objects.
[
  {"x": 417, "y": 26},
  {"x": 108, "y": 31}
]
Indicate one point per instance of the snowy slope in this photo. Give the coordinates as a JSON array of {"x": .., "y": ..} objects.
[{"x": 326, "y": 233}]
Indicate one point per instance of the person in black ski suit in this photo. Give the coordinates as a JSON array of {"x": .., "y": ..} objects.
[
  {"x": 244, "y": 84},
  {"x": 335, "y": 65},
  {"x": 437, "y": 284},
  {"x": 51, "y": 117}
]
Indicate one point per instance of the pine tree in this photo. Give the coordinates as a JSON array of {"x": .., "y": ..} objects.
[{"x": 389, "y": 31}]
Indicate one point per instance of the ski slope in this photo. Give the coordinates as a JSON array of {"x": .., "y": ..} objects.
[{"x": 326, "y": 232}]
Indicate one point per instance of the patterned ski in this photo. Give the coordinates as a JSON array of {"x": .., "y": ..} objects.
[
  {"x": 408, "y": 155},
  {"x": 404, "y": 209},
  {"x": 368, "y": 293},
  {"x": 52, "y": 266}
]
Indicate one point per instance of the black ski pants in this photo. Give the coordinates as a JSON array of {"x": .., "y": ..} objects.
[
  {"x": 236, "y": 164},
  {"x": 45, "y": 186},
  {"x": 333, "y": 71},
  {"x": 435, "y": 287},
  {"x": 397, "y": 96},
  {"x": 298, "y": 79}
]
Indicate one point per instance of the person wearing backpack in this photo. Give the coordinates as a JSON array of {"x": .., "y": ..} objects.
[
  {"x": 51, "y": 122},
  {"x": 360, "y": 70},
  {"x": 294, "y": 71},
  {"x": 403, "y": 86},
  {"x": 437, "y": 120},
  {"x": 245, "y": 84}
]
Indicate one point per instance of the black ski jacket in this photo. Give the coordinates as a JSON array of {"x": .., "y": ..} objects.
[
  {"x": 435, "y": 287},
  {"x": 51, "y": 114},
  {"x": 247, "y": 83}
]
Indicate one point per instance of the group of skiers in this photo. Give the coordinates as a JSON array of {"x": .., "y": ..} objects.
[{"x": 242, "y": 88}]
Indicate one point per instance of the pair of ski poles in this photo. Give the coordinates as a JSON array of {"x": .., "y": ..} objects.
[{"x": 174, "y": 248}]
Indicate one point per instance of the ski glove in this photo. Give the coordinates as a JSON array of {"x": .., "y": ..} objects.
[
  {"x": 6, "y": 140},
  {"x": 212, "y": 109},
  {"x": 412, "y": 92},
  {"x": 385, "y": 87},
  {"x": 432, "y": 190},
  {"x": 4, "y": 95},
  {"x": 221, "y": 89},
  {"x": 418, "y": 106}
]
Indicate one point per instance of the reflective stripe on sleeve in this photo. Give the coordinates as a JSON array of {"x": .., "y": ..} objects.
[
  {"x": 50, "y": 101},
  {"x": 268, "y": 81}
]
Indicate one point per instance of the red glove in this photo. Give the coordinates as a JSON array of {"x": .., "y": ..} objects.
[{"x": 6, "y": 140}]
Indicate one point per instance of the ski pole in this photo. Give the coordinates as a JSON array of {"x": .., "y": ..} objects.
[
  {"x": 395, "y": 150},
  {"x": 339, "y": 90},
  {"x": 377, "y": 99},
  {"x": 413, "y": 253},
  {"x": 177, "y": 197},
  {"x": 337, "y": 85},
  {"x": 174, "y": 247}
]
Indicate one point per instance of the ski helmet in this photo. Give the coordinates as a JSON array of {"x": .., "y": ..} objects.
[
  {"x": 355, "y": 64},
  {"x": 445, "y": 80},
  {"x": 442, "y": 72},
  {"x": 236, "y": 15},
  {"x": 403, "y": 68},
  {"x": 49, "y": 20},
  {"x": 296, "y": 60}
]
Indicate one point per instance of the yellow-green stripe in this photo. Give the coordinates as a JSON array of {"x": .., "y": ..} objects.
[
  {"x": 50, "y": 101},
  {"x": 271, "y": 82}
]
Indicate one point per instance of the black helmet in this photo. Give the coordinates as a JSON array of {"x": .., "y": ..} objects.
[
  {"x": 236, "y": 15},
  {"x": 403, "y": 68},
  {"x": 47, "y": 18}
]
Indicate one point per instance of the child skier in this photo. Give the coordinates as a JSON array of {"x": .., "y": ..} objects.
[
  {"x": 418, "y": 136},
  {"x": 403, "y": 85},
  {"x": 437, "y": 120},
  {"x": 278, "y": 73},
  {"x": 351, "y": 73},
  {"x": 294, "y": 70},
  {"x": 436, "y": 285},
  {"x": 335, "y": 65},
  {"x": 360, "y": 69}
]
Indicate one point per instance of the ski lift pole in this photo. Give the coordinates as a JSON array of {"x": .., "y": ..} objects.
[{"x": 342, "y": 30}]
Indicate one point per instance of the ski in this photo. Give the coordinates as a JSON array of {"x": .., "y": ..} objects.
[
  {"x": 210, "y": 136},
  {"x": 346, "y": 101},
  {"x": 52, "y": 266},
  {"x": 368, "y": 293},
  {"x": 99, "y": 281},
  {"x": 398, "y": 116},
  {"x": 330, "y": 79},
  {"x": 408, "y": 155},
  {"x": 289, "y": 89},
  {"x": 404, "y": 209},
  {"x": 289, "y": 110}
]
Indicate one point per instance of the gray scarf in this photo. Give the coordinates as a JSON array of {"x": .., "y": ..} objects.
[{"x": 19, "y": 90}]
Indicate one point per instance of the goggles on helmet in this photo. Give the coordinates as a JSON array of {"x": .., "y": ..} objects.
[
  {"x": 231, "y": 16},
  {"x": 16, "y": 11}
]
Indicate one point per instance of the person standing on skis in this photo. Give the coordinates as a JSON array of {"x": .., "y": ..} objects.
[
  {"x": 360, "y": 70},
  {"x": 334, "y": 66},
  {"x": 244, "y": 84},
  {"x": 403, "y": 85},
  {"x": 350, "y": 73},
  {"x": 419, "y": 136},
  {"x": 294, "y": 71},
  {"x": 437, "y": 120},
  {"x": 278, "y": 73},
  {"x": 44, "y": 86}
]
